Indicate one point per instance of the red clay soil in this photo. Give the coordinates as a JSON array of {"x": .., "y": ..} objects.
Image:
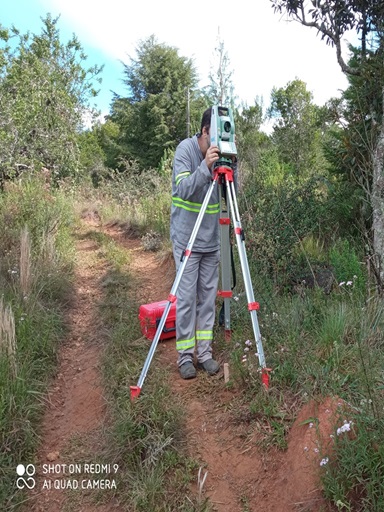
[{"x": 239, "y": 477}]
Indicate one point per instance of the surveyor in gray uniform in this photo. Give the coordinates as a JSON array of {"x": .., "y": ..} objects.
[{"x": 196, "y": 294}]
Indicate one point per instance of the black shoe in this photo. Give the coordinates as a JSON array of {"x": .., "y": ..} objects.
[
  {"x": 210, "y": 366},
  {"x": 187, "y": 370}
]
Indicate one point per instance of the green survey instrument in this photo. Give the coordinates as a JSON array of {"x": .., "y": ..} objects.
[{"x": 223, "y": 133}]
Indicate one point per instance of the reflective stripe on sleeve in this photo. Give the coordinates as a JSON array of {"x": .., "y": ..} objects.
[{"x": 181, "y": 176}]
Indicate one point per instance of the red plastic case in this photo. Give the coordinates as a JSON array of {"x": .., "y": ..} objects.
[{"x": 150, "y": 315}]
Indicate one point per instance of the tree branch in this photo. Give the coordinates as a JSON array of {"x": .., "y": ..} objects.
[{"x": 333, "y": 36}]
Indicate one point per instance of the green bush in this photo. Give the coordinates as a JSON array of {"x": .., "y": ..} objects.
[{"x": 347, "y": 266}]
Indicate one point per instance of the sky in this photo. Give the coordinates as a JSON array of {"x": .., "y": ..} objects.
[{"x": 264, "y": 49}]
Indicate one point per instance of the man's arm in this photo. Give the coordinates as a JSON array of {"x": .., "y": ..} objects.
[{"x": 187, "y": 183}]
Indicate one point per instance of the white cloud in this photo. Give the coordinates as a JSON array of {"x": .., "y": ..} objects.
[{"x": 264, "y": 51}]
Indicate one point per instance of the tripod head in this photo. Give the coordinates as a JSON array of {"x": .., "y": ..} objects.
[{"x": 223, "y": 134}]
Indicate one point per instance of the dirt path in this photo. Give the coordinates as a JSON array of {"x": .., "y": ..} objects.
[
  {"x": 76, "y": 405},
  {"x": 239, "y": 477}
]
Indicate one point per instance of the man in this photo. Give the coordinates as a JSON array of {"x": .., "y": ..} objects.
[{"x": 196, "y": 294}]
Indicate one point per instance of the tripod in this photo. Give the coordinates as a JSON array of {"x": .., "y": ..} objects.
[{"x": 222, "y": 175}]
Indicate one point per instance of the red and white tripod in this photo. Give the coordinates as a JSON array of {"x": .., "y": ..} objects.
[{"x": 222, "y": 176}]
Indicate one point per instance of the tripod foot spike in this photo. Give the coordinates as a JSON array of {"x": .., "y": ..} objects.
[{"x": 135, "y": 392}]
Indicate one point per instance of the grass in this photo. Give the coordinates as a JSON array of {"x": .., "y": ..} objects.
[
  {"x": 35, "y": 277},
  {"x": 110, "y": 250}
]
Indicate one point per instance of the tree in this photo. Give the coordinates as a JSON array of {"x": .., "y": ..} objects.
[
  {"x": 250, "y": 141},
  {"x": 152, "y": 118},
  {"x": 44, "y": 93},
  {"x": 220, "y": 90},
  {"x": 297, "y": 130},
  {"x": 332, "y": 19}
]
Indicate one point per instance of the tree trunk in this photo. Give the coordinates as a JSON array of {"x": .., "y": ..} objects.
[{"x": 377, "y": 201}]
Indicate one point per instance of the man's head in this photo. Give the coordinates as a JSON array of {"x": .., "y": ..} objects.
[{"x": 204, "y": 137}]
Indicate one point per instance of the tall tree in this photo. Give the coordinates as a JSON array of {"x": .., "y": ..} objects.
[
  {"x": 152, "y": 117},
  {"x": 220, "y": 90},
  {"x": 332, "y": 19},
  {"x": 44, "y": 93}
]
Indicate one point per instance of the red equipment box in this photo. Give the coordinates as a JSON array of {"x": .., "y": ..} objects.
[{"x": 150, "y": 315}]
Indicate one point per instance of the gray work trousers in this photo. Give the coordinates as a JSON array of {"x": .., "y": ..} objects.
[{"x": 195, "y": 306}]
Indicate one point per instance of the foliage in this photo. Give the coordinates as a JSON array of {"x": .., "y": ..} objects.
[
  {"x": 346, "y": 265},
  {"x": 298, "y": 130},
  {"x": 252, "y": 144},
  {"x": 363, "y": 143},
  {"x": 350, "y": 147},
  {"x": 44, "y": 93},
  {"x": 286, "y": 213},
  {"x": 92, "y": 159},
  {"x": 354, "y": 479},
  {"x": 334, "y": 18},
  {"x": 153, "y": 115}
]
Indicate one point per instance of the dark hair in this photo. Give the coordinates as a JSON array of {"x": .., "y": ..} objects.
[{"x": 206, "y": 120}]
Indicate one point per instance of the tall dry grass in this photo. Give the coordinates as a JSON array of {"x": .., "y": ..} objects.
[
  {"x": 8, "y": 336},
  {"x": 25, "y": 263}
]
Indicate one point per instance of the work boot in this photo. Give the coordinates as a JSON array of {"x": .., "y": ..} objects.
[
  {"x": 187, "y": 370},
  {"x": 210, "y": 366}
]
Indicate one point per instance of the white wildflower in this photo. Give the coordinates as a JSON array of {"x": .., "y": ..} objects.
[
  {"x": 349, "y": 283},
  {"x": 324, "y": 461},
  {"x": 316, "y": 450},
  {"x": 342, "y": 283},
  {"x": 344, "y": 428},
  {"x": 310, "y": 425}
]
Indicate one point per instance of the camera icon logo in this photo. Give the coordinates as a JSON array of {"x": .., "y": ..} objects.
[{"x": 25, "y": 474}]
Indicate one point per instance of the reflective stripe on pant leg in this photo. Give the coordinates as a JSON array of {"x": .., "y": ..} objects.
[
  {"x": 186, "y": 307},
  {"x": 182, "y": 345},
  {"x": 206, "y": 301}
]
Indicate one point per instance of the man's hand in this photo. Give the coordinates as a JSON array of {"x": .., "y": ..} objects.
[{"x": 212, "y": 155}]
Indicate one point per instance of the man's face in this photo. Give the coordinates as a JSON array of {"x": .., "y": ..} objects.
[{"x": 206, "y": 139}]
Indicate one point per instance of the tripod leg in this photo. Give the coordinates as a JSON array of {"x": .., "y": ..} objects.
[
  {"x": 252, "y": 305},
  {"x": 225, "y": 292},
  {"x": 135, "y": 390}
]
